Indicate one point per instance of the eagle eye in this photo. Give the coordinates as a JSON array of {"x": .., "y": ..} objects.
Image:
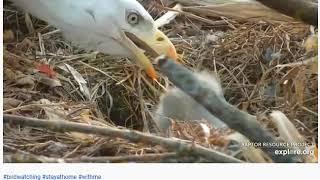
[{"x": 133, "y": 18}]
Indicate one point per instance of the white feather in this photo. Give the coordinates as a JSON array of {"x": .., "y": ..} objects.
[{"x": 91, "y": 24}]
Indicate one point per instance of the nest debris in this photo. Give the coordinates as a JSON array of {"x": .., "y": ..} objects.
[{"x": 253, "y": 60}]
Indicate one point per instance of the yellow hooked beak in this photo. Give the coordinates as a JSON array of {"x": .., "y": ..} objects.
[
  {"x": 162, "y": 45},
  {"x": 155, "y": 46}
]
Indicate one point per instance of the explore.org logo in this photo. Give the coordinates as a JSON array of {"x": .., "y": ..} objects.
[
  {"x": 284, "y": 148},
  {"x": 284, "y": 152}
]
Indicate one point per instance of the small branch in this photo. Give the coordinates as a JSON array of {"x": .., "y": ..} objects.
[
  {"x": 215, "y": 103},
  {"x": 146, "y": 158},
  {"x": 20, "y": 156},
  {"x": 168, "y": 17},
  {"x": 26, "y": 157},
  {"x": 31, "y": 106},
  {"x": 199, "y": 18},
  {"x": 306, "y": 62},
  {"x": 175, "y": 145},
  {"x": 129, "y": 158}
]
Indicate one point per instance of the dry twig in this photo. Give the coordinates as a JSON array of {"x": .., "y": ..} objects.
[{"x": 134, "y": 136}]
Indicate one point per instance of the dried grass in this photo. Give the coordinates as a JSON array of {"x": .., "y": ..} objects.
[{"x": 124, "y": 96}]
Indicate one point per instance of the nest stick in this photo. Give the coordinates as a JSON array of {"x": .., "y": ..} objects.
[
  {"x": 159, "y": 157},
  {"x": 215, "y": 103},
  {"x": 26, "y": 157},
  {"x": 175, "y": 145},
  {"x": 128, "y": 158}
]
